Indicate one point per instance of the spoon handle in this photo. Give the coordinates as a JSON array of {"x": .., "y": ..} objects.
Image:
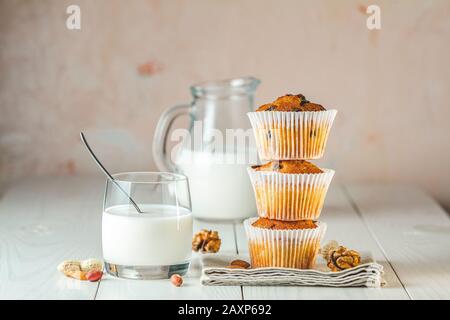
[{"x": 110, "y": 177}]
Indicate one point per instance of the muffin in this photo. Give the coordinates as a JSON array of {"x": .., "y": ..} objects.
[
  {"x": 290, "y": 190},
  {"x": 291, "y": 128},
  {"x": 283, "y": 244}
]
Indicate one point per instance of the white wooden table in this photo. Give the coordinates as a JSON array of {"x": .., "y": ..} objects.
[{"x": 46, "y": 220}]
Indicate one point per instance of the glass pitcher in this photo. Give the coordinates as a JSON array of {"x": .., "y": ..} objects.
[{"x": 215, "y": 150}]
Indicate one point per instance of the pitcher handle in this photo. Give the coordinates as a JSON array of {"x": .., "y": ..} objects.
[{"x": 160, "y": 153}]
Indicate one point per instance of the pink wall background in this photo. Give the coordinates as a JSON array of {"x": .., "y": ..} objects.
[{"x": 391, "y": 86}]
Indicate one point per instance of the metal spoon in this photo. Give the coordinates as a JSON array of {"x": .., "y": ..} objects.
[{"x": 110, "y": 177}]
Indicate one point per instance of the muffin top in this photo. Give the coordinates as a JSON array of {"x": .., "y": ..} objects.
[
  {"x": 289, "y": 166},
  {"x": 265, "y": 223},
  {"x": 290, "y": 102}
]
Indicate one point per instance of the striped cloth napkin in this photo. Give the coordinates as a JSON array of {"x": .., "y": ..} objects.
[{"x": 214, "y": 273}]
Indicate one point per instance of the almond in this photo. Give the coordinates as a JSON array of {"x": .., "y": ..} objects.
[{"x": 239, "y": 264}]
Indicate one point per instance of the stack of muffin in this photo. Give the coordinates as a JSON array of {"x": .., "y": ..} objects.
[{"x": 289, "y": 190}]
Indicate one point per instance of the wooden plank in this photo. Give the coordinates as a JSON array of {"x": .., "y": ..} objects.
[
  {"x": 414, "y": 232},
  {"x": 42, "y": 222},
  {"x": 346, "y": 226},
  {"x": 111, "y": 288}
]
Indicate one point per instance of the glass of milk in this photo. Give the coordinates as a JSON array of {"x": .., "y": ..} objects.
[{"x": 153, "y": 244}]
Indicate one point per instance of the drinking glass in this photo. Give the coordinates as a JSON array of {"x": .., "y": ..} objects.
[{"x": 153, "y": 244}]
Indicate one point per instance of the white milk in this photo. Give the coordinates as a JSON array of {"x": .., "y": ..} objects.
[
  {"x": 158, "y": 237},
  {"x": 219, "y": 191}
]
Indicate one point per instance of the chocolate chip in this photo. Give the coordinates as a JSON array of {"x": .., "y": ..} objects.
[
  {"x": 312, "y": 133},
  {"x": 269, "y": 134},
  {"x": 303, "y": 102},
  {"x": 271, "y": 108}
]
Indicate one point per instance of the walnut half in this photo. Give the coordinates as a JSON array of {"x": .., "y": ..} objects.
[
  {"x": 343, "y": 258},
  {"x": 339, "y": 257},
  {"x": 206, "y": 241}
]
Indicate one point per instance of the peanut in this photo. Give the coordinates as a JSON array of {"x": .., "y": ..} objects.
[
  {"x": 91, "y": 264},
  {"x": 69, "y": 265},
  {"x": 76, "y": 274},
  {"x": 94, "y": 275},
  {"x": 80, "y": 270},
  {"x": 176, "y": 280}
]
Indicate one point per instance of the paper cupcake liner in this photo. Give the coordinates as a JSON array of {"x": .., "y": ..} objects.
[
  {"x": 291, "y": 135},
  {"x": 283, "y": 248},
  {"x": 289, "y": 197}
]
